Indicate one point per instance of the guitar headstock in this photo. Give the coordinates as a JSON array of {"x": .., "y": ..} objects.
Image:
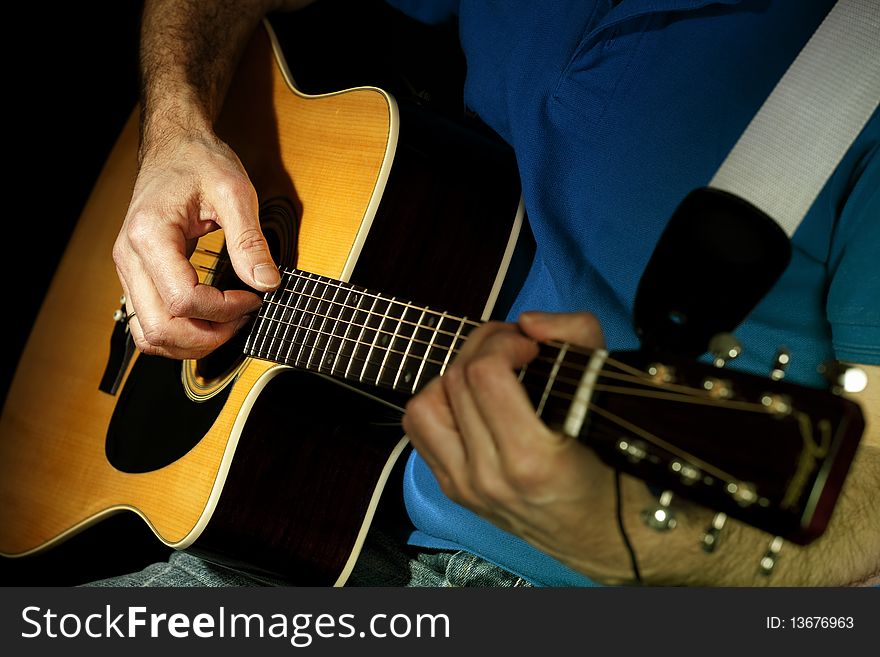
[{"x": 769, "y": 452}]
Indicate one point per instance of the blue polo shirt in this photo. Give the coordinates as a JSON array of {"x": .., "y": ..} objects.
[{"x": 615, "y": 112}]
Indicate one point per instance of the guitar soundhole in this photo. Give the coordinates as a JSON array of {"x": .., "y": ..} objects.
[{"x": 278, "y": 220}]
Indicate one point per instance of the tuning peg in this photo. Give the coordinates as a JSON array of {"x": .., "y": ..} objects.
[
  {"x": 768, "y": 561},
  {"x": 843, "y": 378},
  {"x": 724, "y": 347},
  {"x": 780, "y": 363},
  {"x": 660, "y": 518},
  {"x": 713, "y": 532}
]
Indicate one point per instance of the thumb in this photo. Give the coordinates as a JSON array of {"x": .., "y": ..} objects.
[
  {"x": 580, "y": 329},
  {"x": 238, "y": 215}
]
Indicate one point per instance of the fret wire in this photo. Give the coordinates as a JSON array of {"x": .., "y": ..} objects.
[
  {"x": 365, "y": 292},
  {"x": 390, "y": 343},
  {"x": 430, "y": 344},
  {"x": 264, "y": 317},
  {"x": 367, "y": 327},
  {"x": 600, "y": 387},
  {"x": 427, "y": 351},
  {"x": 409, "y": 342},
  {"x": 258, "y": 333},
  {"x": 347, "y": 325},
  {"x": 373, "y": 345},
  {"x": 570, "y": 349},
  {"x": 299, "y": 274},
  {"x": 281, "y": 336},
  {"x": 557, "y": 361},
  {"x": 298, "y": 314},
  {"x": 451, "y": 348},
  {"x": 320, "y": 330},
  {"x": 397, "y": 303},
  {"x": 454, "y": 351},
  {"x": 638, "y": 375},
  {"x": 359, "y": 340},
  {"x": 319, "y": 317},
  {"x": 280, "y": 339}
]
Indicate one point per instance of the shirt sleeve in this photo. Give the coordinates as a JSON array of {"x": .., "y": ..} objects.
[
  {"x": 853, "y": 303},
  {"x": 433, "y": 12}
]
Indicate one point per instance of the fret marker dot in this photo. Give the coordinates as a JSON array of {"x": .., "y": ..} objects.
[
  {"x": 430, "y": 322},
  {"x": 407, "y": 377},
  {"x": 383, "y": 340}
]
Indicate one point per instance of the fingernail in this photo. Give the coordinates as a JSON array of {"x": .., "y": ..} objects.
[
  {"x": 267, "y": 275},
  {"x": 532, "y": 316}
]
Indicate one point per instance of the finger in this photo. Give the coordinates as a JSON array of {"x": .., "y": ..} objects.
[
  {"x": 178, "y": 285},
  {"x": 237, "y": 211},
  {"x": 477, "y": 442},
  {"x": 430, "y": 426},
  {"x": 156, "y": 332},
  {"x": 503, "y": 403},
  {"x": 581, "y": 329}
]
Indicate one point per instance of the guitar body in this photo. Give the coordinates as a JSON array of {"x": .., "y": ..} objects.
[{"x": 352, "y": 186}]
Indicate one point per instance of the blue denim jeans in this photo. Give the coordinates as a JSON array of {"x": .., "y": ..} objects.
[{"x": 382, "y": 562}]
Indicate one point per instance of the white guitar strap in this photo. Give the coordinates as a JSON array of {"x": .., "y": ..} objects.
[{"x": 804, "y": 128}]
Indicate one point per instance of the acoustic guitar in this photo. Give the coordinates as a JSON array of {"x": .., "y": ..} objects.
[{"x": 392, "y": 226}]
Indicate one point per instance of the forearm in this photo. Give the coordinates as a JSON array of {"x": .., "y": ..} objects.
[
  {"x": 848, "y": 552},
  {"x": 189, "y": 51}
]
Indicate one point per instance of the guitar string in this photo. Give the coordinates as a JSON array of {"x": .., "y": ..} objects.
[
  {"x": 635, "y": 373},
  {"x": 345, "y": 286},
  {"x": 643, "y": 433},
  {"x": 643, "y": 380},
  {"x": 328, "y": 282},
  {"x": 388, "y": 347},
  {"x": 640, "y": 376},
  {"x": 688, "y": 395},
  {"x": 632, "y": 428},
  {"x": 339, "y": 285},
  {"x": 659, "y": 442}
]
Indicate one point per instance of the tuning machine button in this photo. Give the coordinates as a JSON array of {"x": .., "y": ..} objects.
[
  {"x": 687, "y": 472},
  {"x": 724, "y": 347},
  {"x": 776, "y": 404},
  {"x": 780, "y": 363},
  {"x": 710, "y": 537},
  {"x": 843, "y": 378},
  {"x": 660, "y": 518},
  {"x": 634, "y": 450},
  {"x": 742, "y": 492},
  {"x": 768, "y": 561},
  {"x": 718, "y": 388},
  {"x": 661, "y": 373}
]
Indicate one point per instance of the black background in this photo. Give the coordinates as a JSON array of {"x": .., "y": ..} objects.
[{"x": 71, "y": 82}]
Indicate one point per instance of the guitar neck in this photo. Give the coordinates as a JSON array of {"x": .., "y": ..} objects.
[
  {"x": 345, "y": 331},
  {"x": 335, "y": 328},
  {"x": 769, "y": 452}
]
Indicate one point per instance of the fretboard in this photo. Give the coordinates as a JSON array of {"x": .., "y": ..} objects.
[{"x": 345, "y": 331}]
